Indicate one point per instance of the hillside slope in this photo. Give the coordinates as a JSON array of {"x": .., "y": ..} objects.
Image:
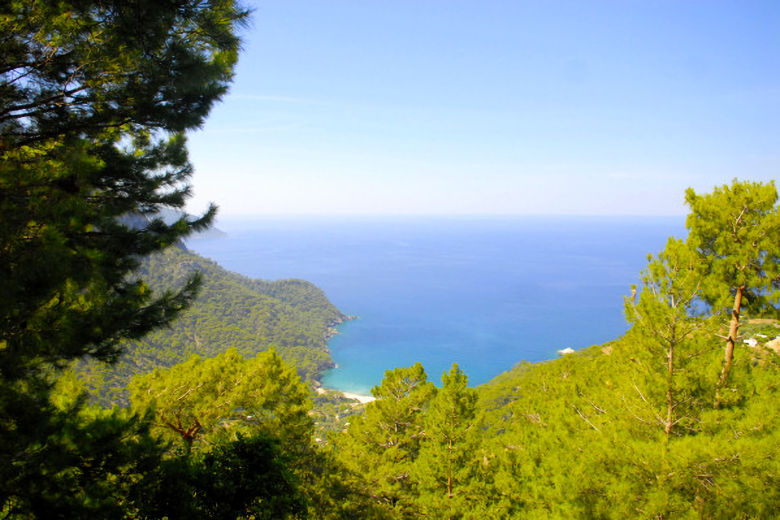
[
  {"x": 583, "y": 436},
  {"x": 292, "y": 316}
]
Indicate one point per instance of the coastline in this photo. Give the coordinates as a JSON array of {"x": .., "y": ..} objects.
[
  {"x": 362, "y": 398},
  {"x": 331, "y": 329},
  {"x": 330, "y": 332}
]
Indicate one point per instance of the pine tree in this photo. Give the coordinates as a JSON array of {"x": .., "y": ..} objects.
[
  {"x": 208, "y": 402},
  {"x": 247, "y": 478},
  {"x": 381, "y": 446},
  {"x": 670, "y": 332},
  {"x": 448, "y": 461},
  {"x": 736, "y": 229},
  {"x": 95, "y": 98}
]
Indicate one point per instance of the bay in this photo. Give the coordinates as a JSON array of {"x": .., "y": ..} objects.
[{"x": 485, "y": 292}]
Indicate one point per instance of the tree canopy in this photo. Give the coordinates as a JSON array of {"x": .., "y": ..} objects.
[
  {"x": 736, "y": 230},
  {"x": 217, "y": 397},
  {"x": 94, "y": 100},
  {"x": 95, "y": 97},
  {"x": 229, "y": 311}
]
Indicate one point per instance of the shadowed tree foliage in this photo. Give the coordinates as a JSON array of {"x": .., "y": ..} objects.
[
  {"x": 83, "y": 462},
  {"x": 94, "y": 99},
  {"x": 247, "y": 478}
]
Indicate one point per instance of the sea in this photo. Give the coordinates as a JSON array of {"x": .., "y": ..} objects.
[{"x": 483, "y": 292}]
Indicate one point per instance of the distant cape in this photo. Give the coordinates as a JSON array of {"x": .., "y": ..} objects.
[{"x": 169, "y": 216}]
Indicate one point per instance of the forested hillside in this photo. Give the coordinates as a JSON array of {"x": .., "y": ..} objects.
[
  {"x": 590, "y": 436},
  {"x": 231, "y": 311},
  {"x": 677, "y": 419},
  {"x": 583, "y": 436}
]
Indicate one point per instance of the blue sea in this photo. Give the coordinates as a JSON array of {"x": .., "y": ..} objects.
[{"x": 486, "y": 293}]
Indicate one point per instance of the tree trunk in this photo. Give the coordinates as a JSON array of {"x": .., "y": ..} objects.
[
  {"x": 732, "y": 339},
  {"x": 449, "y": 470},
  {"x": 670, "y": 393}
]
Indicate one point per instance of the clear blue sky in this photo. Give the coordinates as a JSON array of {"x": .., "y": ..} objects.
[{"x": 492, "y": 107}]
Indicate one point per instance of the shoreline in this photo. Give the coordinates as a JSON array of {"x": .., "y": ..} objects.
[
  {"x": 362, "y": 398},
  {"x": 330, "y": 332},
  {"x": 331, "y": 329}
]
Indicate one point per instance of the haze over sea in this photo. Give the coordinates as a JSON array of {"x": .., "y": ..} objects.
[{"x": 485, "y": 292}]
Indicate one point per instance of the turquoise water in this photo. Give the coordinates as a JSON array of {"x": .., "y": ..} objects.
[{"x": 483, "y": 292}]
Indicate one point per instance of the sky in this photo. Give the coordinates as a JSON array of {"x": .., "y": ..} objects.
[{"x": 487, "y": 107}]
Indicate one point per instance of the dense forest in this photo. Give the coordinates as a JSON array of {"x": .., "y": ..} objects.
[
  {"x": 230, "y": 311},
  {"x": 677, "y": 419}
]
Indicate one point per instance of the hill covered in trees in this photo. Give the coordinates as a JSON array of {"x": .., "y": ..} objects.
[
  {"x": 664, "y": 422},
  {"x": 678, "y": 419},
  {"x": 230, "y": 311},
  {"x": 604, "y": 432},
  {"x": 583, "y": 436}
]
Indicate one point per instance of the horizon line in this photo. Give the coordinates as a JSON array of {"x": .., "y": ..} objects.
[{"x": 448, "y": 215}]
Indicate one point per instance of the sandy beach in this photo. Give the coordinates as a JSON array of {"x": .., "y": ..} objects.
[
  {"x": 349, "y": 395},
  {"x": 360, "y": 397}
]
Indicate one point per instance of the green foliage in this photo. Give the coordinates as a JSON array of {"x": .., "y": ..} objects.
[
  {"x": 247, "y": 478},
  {"x": 736, "y": 229},
  {"x": 244, "y": 431},
  {"x": 672, "y": 336},
  {"x": 573, "y": 438},
  {"x": 382, "y": 445},
  {"x": 230, "y": 311},
  {"x": 94, "y": 100},
  {"x": 334, "y": 492},
  {"x": 83, "y": 462},
  {"x": 92, "y": 112},
  {"x": 204, "y": 402},
  {"x": 333, "y": 412},
  {"x": 448, "y": 463}
]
